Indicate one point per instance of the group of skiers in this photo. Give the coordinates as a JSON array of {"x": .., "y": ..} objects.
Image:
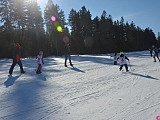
[
  {"x": 122, "y": 59},
  {"x": 154, "y": 51},
  {"x": 39, "y": 57},
  {"x": 17, "y": 60}
]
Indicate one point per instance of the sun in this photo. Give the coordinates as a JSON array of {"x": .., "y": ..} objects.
[
  {"x": 38, "y": 1},
  {"x": 41, "y": 2},
  {"x": 32, "y": 1}
]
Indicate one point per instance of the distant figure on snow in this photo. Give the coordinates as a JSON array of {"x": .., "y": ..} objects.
[
  {"x": 16, "y": 59},
  {"x": 155, "y": 53},
  {"x": 66, "y": 47},
  {"x": 115, "y": 58},
  {"x": 39, "y": 62},
  {"x": 122, "y": 61},
  {"x": 67, "y": 54}
]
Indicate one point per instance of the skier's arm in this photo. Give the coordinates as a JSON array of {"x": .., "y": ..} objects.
[{"x": 127, "y": 58}]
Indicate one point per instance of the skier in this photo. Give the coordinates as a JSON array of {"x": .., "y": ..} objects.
[
  {"x": 65, "y": 35},
  {"x": 39, "y": 62},
  {"x": 122, "y": 61},
  {"x": 155, "y": 53},
  {"x": 16, "y": 59},
  {"x": 115, "y": 58},
  {"x": 67, "y": 54}
]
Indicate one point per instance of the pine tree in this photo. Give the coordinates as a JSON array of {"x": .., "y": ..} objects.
[
  {"x": 7, "y": 33},
  {"x": 34, "y": 28},
  {"x": 53, "y": 36}
]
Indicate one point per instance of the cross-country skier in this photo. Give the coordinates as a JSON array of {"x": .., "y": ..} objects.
[
  {"x": 39, "y": 62},
  {"x": 115, "y": 58},
  {"x": 122, "y": 61},
  {"x": 16, "y": 59},
  {"x": 155, "y": 53}
]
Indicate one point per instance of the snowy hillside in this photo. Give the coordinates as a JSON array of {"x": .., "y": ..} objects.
[{"x": 94, "y": 89}]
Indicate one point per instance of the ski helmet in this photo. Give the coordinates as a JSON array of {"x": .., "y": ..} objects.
[{"x": 121, "y": 53}]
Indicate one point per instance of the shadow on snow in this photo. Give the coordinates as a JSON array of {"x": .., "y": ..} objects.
[
  {"x": 11, "y": 79},
  {"x": 145, "y": 76}
]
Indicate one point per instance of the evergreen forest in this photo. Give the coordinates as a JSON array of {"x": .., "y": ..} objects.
[{"x": 24, "y": 22}]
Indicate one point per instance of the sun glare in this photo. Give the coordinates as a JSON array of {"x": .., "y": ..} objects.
[{"x": 41, "y": 2}]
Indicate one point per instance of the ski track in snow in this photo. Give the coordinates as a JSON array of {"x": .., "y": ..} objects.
[{"x": 94, "y": 89}]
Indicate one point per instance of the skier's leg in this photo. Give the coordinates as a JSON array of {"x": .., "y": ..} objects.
[
  {"x": 20, "y": 65},
  {"x": 121, "y": 67},
  {"x": 70, "y": 60},
  {"x": 158, "y": 58},
  {"x": 151, "y": 53},
  {"x": 12, "y": 66},
  {"x": 154, "y": 58},
  {"x": 115, "y": 62},
  {"x": 38, "y": 69},
  {"x": 65, "y": 63},
  {"x": 126, "y": 66}
]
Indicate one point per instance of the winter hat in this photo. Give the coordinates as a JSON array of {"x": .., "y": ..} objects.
[{"x": 121, "y": 53}]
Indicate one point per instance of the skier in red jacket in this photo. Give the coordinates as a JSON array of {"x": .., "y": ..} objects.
[{"x": 16, "y": 59}]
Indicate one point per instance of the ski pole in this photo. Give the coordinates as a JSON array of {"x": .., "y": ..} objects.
[{"x": 130, "y": 66}]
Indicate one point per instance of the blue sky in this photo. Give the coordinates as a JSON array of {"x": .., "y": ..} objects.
[{"x": 144, "y": 13}]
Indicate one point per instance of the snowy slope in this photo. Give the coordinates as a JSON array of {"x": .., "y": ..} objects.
[{"x": 94, "y": 89}]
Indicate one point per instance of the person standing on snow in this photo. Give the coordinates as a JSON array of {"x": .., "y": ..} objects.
[
  {"x": 39, "y": 62},
  {"x": 67, "y": 54},
  {"x": 115, "y": 58},
  {"x": 122, "y": 61},
  {"x": 66, "y": 47},
  {"x": 16, "y": 59},
  {"x": 155, "y": 53}
]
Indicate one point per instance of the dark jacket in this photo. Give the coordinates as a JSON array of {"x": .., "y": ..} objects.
[
  {"x": 17, "y": 54},
  {"x": 122, "y": 55},
  {"x": 67, "y": 49}
]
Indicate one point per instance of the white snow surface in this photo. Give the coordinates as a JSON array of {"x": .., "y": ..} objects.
[{"x": 94, "y": 89}]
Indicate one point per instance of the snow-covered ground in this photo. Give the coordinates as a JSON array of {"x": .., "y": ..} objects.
[{"x": 94, "y": 89}]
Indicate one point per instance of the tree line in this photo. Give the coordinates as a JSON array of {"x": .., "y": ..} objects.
[{"x": 23, "y": 21}]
